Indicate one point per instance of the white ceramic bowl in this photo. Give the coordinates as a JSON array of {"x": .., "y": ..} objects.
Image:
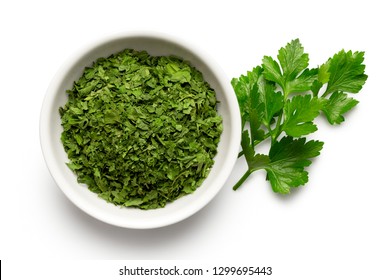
[{"x": 55, "y": 156}]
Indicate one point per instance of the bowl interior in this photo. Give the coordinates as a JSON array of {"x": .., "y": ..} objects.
[{"x": 55, "y": 156}]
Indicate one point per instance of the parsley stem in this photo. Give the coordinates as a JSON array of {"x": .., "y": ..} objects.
[
  {"x": 243, "y": 178},
  {"x": 256, "y": 142},
  {"x": 277, "y": 130}
]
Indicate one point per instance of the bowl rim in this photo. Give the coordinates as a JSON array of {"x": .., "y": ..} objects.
[{"x": 51, "y": 93}]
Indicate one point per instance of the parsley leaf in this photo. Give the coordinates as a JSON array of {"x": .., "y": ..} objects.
[
  {"x": 282, "y": 98},
  {"x": 338, "y": 104},
  {"x": 243, "y": 86},
  {"x": 300, "y": 111},
  {"x": 288, "y": 158},
  {"x": 343, "y": 73},
  {"x": 292, "y": 74},
  {"x": 293, "y": 59},
  {"x": 346, "y": 72},
  {"x": 285, "y": 163},
  {"x": 272, "y": 100},
  {"x": 259, "y": 103}
]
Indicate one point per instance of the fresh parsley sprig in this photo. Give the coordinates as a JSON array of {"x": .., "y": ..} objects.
[{"x": 280, "y": 100}]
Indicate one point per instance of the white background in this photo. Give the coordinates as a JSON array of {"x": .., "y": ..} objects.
[{"x": 336, "y": 227}]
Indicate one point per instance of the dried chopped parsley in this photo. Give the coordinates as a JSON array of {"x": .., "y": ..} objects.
[{"x": 140, "y": 130}]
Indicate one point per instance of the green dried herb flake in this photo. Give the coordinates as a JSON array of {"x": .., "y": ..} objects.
[{"x": 141, "y": 131}]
